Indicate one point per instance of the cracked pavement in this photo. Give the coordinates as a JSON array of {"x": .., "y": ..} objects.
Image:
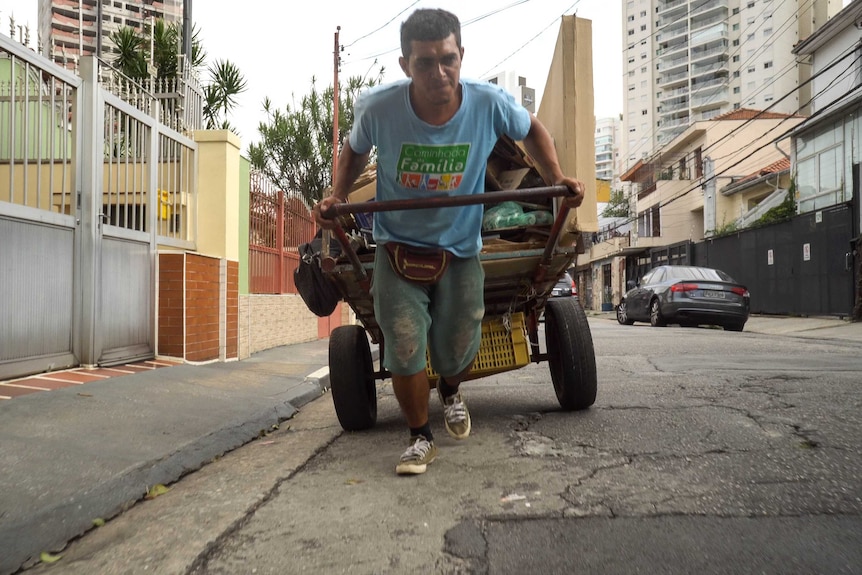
[{"x": 706, "y": 451}]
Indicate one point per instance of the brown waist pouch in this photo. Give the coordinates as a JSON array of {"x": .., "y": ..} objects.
[{"x": 418, "y": 265}]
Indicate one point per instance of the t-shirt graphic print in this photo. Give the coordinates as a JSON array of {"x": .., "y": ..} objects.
[{"x": 432, "y": 168}]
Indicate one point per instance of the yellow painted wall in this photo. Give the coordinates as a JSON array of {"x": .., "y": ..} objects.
[{"x": 218, "y": 197}]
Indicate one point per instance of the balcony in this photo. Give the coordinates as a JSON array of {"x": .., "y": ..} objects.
[
  {"x": 717, "y": 81},
  {"x": 673, "y": 108},
  {"x": 670, "y": 94},
  {"x": 675, "y": 64},
  {"x": 718, "y": 67},
  {"x": 711, "y": 99},
  {"x": 710, "y": 35},
  {"x": 672, "y": 7},
  {"x": 710, "y": 7},
  {"x": 672, "y": 80},
  {"x": 711, "y": 53},
  {"x": 706, "y": 22}
]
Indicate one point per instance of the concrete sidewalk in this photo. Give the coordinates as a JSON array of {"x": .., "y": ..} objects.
[{"x": 77, "y": 454}]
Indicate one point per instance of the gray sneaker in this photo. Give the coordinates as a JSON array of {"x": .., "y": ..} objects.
[
  {"x": 455, "y": 415},
  {"x": 417, "y": 457}
]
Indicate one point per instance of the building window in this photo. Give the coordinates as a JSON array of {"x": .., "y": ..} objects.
[
  {"x": 643, "y": 13},
  {"x": 632, "y": 60},
  {"x": 736, "y": 73},
  {"x": 631, "y": 18},
  {"x": 735, "y": 26},
  {"x": 736, "y": 42},
  {"x": 767, "y": 32},
  {"x": 643, "y": 56},
  {"x": 752, "y": 70},
  {"x": 767, "y": 99},
  {"x": 644, "y": 112},
  {"x": 767, "y": 64},
  {"x": 820, "y": 168},
  {"x": 736, "y": 58},
  {"x": 631, "y": 32},
  {"x": 643, "y": 28},
  {"x": 735, "y": 11}
]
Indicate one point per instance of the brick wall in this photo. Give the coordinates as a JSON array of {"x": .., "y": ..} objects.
[
  {"x": 232, "y": 350},
  {"x": 171, "y": 312},
  {"x": 190, "y": 297}
]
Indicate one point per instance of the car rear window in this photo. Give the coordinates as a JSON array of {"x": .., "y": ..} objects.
[{"x": 690, "y": 273}]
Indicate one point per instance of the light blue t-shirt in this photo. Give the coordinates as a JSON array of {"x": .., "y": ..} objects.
[{"x": 418, "y": 160}]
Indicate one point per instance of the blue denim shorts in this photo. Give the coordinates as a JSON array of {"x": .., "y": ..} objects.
[{"x": 445, "y": 318}]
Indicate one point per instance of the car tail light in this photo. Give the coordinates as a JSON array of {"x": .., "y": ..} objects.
[
  {"x": 740, "y": 291},
  {"x": 684, "y": 287}
]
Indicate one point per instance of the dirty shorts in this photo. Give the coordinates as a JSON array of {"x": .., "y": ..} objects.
[{"x": 445, "y": 317}]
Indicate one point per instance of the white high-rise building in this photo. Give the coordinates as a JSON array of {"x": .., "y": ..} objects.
[
  {"x": 689, "y": 60},
  {"x": 608, "y": 150},
  {"x": 517, "y": 86}
]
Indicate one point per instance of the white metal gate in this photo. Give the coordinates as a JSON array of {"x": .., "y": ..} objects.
[{"x": 92, "y": 182}]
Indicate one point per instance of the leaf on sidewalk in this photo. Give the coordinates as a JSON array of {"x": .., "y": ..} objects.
[
  {"x": 354, "y": 481},
  {"x": 46, "y": 557},
  {"x": 156, "y": 490},
  {"x": 98, "y": 522}
]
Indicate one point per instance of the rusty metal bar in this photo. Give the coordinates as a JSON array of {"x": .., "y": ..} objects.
[{"x": 447, "y": 201}]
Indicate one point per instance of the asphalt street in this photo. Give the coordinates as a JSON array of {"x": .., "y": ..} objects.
[{"x": 706, "y": 451}]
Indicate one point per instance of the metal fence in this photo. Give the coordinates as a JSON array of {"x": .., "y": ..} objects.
[
  {"x": 91, "y": 183},
  {"x": 278, "y": 223}
]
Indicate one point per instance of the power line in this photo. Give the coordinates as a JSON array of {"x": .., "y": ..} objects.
[
  {"x": 778, "y": 138},
  {"x": 542, "y": 31},
  {"x": 388, "y": 22}
]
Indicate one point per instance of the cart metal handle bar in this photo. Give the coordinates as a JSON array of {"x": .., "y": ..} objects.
[
  {"x": 328, "y": 263},
  {"x": 447, "y": 201}
]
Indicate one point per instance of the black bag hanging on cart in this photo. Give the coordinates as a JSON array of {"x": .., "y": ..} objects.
[{"x": 317, "y": 290}]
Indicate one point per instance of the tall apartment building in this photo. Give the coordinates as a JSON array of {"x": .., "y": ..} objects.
[
  {"x": 69, "y": 29},
  {"x": 689, "y": 60},
  {"x": 517, "y": 86},
  {"x": 608, "y": 150}
]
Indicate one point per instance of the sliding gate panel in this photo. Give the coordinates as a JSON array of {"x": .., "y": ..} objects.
[{"x": 37, "y": 264}]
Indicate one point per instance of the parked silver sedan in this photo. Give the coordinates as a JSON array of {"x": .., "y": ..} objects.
[{"x": 685, "y": 295}]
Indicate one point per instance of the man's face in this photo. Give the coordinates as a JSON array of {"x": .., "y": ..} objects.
[{"x": 435, "y": 68}]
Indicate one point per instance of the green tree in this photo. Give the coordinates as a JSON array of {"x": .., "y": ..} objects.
[
  {"x": 617, "y": 206},
  {"x": 226, "y": 81},
  {"x": 295, "y": 149}
]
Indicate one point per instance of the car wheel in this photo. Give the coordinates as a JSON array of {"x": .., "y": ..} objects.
[
  {"x": 655, "y": 317},
  {"x": 622, "y": 314},
  {"x": 351, "y": 378},
  {"x": 571, "y": 356},
  {"x": 734, "y": 326}
]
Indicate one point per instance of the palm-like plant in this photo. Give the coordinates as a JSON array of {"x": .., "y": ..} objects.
[
  {"x": 226, "y": 83},
  {"x": 130, "y": 56}
]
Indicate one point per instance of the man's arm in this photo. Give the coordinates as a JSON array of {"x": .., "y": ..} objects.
[
  {"x": 540, "y": 146},
  {"x": 350, "y": 166}
]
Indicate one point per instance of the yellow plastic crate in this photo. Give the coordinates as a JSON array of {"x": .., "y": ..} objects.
[{"x": 500, "y": 349}]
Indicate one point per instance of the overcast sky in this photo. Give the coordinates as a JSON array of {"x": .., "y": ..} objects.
[{"x": 279, "y": 46}]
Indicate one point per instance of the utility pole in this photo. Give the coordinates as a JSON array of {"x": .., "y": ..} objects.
[{"x": 336, "y": 60}]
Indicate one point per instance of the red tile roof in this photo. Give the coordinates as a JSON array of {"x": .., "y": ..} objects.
[{"x": 773, "y": 168}]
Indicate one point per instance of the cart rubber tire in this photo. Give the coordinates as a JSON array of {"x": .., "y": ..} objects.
[
  {"x": 571, "y": 357},
  {"x": 351, "y": 378}
]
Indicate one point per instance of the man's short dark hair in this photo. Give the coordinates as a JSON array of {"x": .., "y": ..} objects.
[{"x": 429, "y": 25}]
